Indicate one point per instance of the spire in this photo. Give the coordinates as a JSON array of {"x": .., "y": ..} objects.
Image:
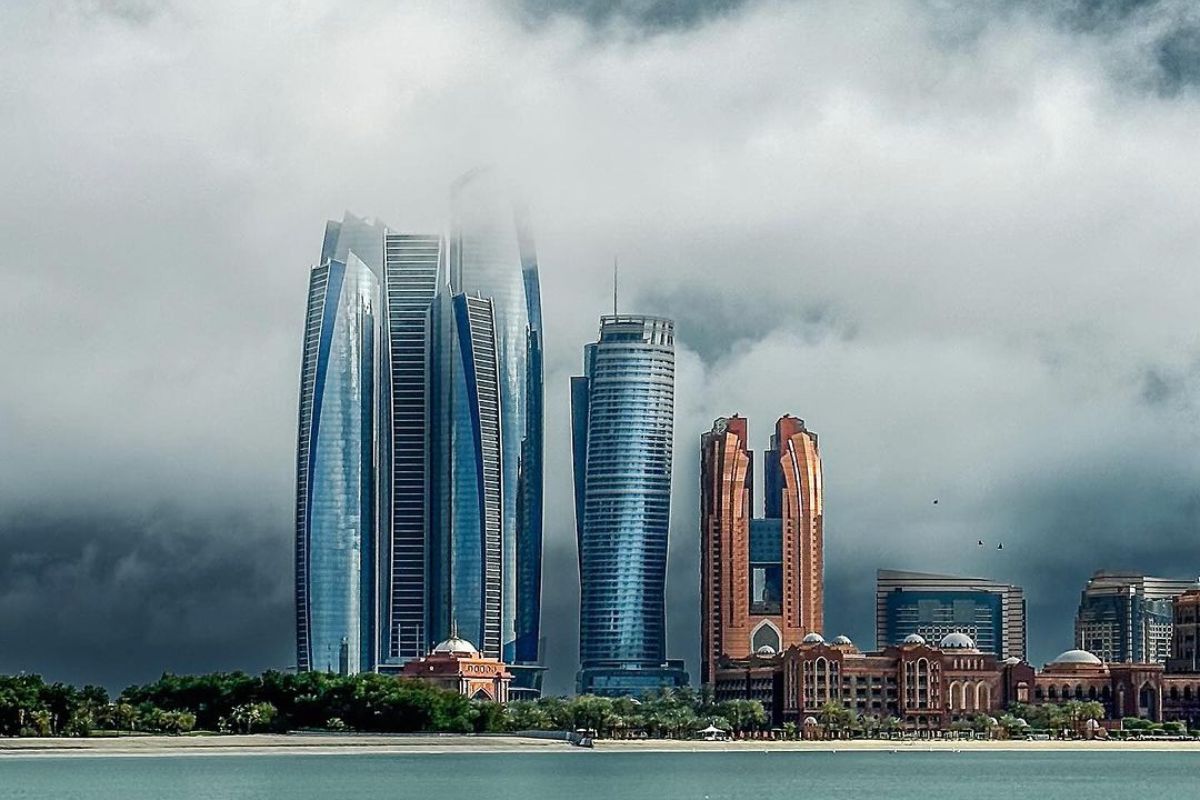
[{"x": 614, "y": 286}]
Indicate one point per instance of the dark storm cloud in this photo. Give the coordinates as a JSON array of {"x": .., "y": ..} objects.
[
  {"x": 1173, "y": 28},
  {"x": 651, "y": 15},
  {"x": 714, "y": 322},
  {"x": 105, "y": 597},
  {"x": 958, "y": 238}
]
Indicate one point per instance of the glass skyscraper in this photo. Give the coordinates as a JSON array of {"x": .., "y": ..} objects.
[
  {"x": 622, "y": 427},
  {"x": 411, "y": 264},
  {"x": 419, "y": 457},
  {"x": 492, "y": 257},
  {"x": 335, "y": 467},
  {"x": 466, "y": 507}
]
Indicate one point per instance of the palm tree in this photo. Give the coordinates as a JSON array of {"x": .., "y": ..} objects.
[
  {"x": 890, "y": 726},
  {"x": 833, "y": 716}
]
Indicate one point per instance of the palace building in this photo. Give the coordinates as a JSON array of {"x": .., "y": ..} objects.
[
  {"x": 930, "y": 687},
  {"x": 456, "y": 665}
]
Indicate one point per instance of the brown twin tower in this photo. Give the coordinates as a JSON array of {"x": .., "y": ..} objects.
[{"x": 761, "y": 578}]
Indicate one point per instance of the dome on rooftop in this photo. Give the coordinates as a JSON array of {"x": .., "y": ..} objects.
[
  {"x": 1077, "y": 657},
  {"x": 766, "y": 651},
  {"x": 914, "y": 638},
  {"x": 843, "y": 639},
  {"x": 1012, "y": 661},
  {"x": 457, "y": 646},
  {"x": 813, "y": 638},
  {"x": 956, "y": 641}
]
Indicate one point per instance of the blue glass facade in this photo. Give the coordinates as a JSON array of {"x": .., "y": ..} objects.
[
  {"x": 335, "y": 473},
  {"x": 1128, "y": 617},
  {"x": 491, "y": 255},
  {"x": 466, "y": 534},
  {"x": 429, "y": 422},
  {"x": 933, "y": 614},
  {"x": 622, "y": 429},
  {"x": 411, "y": 264}
]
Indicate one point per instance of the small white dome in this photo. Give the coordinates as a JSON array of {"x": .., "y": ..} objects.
[
  {"x": 914, "y": 638},
  {"x": 956, "y": 641},
  {"x": 810, "y": 720},
  {"x": 1076, "y": 657},
  {"x": 843, "y": 639},
  {"x": 765, "y": 650},
  {"x": 813, "y": 638},
  {"x": 1012, "y": 661},
  {"x": 457, "y": 646}
]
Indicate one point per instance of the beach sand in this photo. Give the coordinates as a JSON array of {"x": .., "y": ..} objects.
[{"x": 335, "y": 744}]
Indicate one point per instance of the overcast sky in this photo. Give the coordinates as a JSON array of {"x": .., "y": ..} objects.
[{"x": 961, "y": 240}]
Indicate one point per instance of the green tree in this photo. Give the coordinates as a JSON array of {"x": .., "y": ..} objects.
[{"x": 834, "y": 717}]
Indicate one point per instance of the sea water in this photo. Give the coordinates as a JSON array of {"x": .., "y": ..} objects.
[{"x": 584, "y": 775}]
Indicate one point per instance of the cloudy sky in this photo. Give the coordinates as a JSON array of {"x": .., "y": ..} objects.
[{"x": 962, "y": 240}]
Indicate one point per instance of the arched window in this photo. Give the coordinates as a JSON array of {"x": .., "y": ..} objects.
[
  {"x": 1187, "y": 693},
  {"x": 983, "y": 696},
  {"x": 1053, "y": 693},
  {"x": 1175, "y": 693},
  {"x": 955, "y": 696},
  {"x": 1091, "y": 693},
  {"x": 766, "y": 635}
]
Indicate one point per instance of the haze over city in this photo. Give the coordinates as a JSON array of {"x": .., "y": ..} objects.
[{"x": 959, "y": 242}]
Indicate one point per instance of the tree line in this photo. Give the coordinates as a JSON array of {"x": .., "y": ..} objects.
[{"x": 234, "y": 702}]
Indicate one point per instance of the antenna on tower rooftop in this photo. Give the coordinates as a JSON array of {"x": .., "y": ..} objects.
[{"x": 614, "y": 286}]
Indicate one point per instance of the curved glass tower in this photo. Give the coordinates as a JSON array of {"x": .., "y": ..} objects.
[
  {"x": 491, "y": 256},
  {"x": 622, "y": 425},
  {"x": 335, "y": 477},
  {"x": 466, "y": 553}
]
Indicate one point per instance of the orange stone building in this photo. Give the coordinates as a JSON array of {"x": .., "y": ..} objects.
[
  {"x": 762, "y": 580},
  {"x": 456, "y": 665}
]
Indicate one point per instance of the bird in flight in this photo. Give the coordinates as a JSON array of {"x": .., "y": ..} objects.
[
  {"x": 1000, "y": 546},
  {"x": 981, "y": 542},
  {"x": 935, "y": 501}
]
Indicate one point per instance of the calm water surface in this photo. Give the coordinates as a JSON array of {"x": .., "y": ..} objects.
[{"x": 583, "y": 776}]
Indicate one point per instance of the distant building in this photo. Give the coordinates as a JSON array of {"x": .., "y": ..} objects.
[
  {"x": 622, "y": 415},
  {"x": 1185, "y": 633},
  {"x": 1126, "y": 616},
  {"x": 932, "y": 606},
  {"x": 761, "y": 582},
  {"x": 456, "y": 665}
]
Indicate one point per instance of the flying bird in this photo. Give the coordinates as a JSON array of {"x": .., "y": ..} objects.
[
  {"x": 935, "y": 501},
  {"x": 1000, "y": 546},
  {"x": 981, "y": 542}
]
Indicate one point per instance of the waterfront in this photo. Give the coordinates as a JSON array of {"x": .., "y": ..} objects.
[{"x": 616, "y": 774}]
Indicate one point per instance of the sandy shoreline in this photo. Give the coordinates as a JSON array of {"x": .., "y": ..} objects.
[{"x": 317, "y": 744}]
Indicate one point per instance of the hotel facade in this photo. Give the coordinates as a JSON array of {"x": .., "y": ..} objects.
[{"x": 761, "y": 583}]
